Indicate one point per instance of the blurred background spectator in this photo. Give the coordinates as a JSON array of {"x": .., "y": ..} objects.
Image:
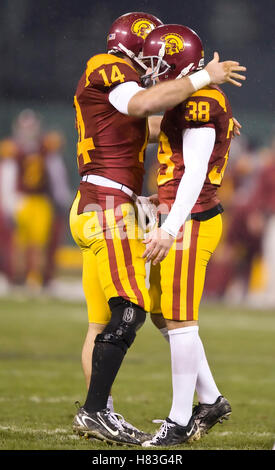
[
  {"x": 239, "y": 269},
  {"x": 35, "y": 198},
  {"x": 44, "y": 48}
]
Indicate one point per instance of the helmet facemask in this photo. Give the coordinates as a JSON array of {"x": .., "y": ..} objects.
[
  {"x": 172, "y": 52},
  {"x": 157, "y": 66}
]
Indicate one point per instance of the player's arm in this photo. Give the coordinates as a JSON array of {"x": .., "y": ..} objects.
[
  {"x": 8, "y": 182},
  {"x": 170, "y": 93},
  {"x": 120, "y": 96},
  {"x": 58, "y": 181},
  {"x": 198, "y": 145},
  {"x": 154, "y": 123}
]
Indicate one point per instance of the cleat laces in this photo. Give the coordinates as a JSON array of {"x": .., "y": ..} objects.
[
  {"x": 162, "y": 433},
  {"x": 124, "y": 423},
  {"x": 114, "y": 419}
]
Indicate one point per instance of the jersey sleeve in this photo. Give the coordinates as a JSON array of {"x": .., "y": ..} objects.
[
  {"x": 8, "y": 149},
  {"x": 120, "y": 96},
  {"x": 205, "y": 108},
  {"x": 106, "y": 71}
]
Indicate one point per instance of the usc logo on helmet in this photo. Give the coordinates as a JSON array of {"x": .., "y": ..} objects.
[
  {"x": 174, "y": 43},
  {"x": 142, "y": 27}
]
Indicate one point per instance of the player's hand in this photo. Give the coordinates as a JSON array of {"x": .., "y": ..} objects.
[
  {"x": 228, "y": 71},
  {"x": 158, "y": 244},
  {"x": 154, "y": 199},
  {"x": 236, "y": 128}
]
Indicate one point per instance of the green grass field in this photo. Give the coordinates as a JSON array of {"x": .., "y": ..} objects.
[{"x": 41, "y": 376}]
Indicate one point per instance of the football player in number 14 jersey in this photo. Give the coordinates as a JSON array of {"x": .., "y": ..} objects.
[{"x": 111, "y": 116}]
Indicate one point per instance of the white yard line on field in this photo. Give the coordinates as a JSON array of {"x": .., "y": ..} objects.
[
  {"x": 241, "y": 433},
  {"x": 71, "y": 436},
  {"x": 37, "y": 399},
  {"x": 49, "y": 432}
]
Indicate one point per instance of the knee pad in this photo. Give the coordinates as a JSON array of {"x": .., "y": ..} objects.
[{"x": 126, "y": 319}]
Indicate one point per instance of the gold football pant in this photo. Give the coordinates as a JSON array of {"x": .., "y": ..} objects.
[
  {"x": 33, "y": 217},
  {"x": 112, "y": 258},
  {"x": 182, "y": 273}
]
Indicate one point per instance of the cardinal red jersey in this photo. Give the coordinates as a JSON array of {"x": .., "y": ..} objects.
[
  {"x": 208, "y": 107},
  {"x": 110, "y": 144},
  {"x": 31, "y": 165},
  {"x": 32, "y": 172}
]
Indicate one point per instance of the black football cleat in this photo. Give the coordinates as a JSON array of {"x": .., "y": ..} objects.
[
  {"x": 102, "y": 425},
  {"x": 172, "y": 434},
  {"x": 206, "y": 416},
  {"x": 132, "y": 430}
]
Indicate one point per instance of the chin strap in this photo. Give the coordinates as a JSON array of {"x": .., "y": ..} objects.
[
  {"x": 185, "y": 71},
  {"x": 129, "y": 53}
]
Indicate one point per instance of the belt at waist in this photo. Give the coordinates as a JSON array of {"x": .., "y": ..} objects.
[
  {"x": 107, "y": 183},
  {"x": 200, "y": 216},
  {"x": 208, "y": 214}
]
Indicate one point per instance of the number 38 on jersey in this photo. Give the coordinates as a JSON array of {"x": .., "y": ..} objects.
[{"x": 198, "y": 112}]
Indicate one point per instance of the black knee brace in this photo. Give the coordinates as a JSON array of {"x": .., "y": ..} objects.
[{"x": 126, "y": 319}]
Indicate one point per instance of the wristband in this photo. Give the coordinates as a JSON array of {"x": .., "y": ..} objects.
[{"x": 200, "y": 79}]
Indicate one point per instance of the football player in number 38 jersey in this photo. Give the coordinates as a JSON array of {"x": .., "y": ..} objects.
[
  {"x": 194, "y": 145},
  {"x": 112, "y": 108}
]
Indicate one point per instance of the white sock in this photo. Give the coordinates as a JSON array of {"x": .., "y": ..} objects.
[
  {"x": 206, "y": 387},
  {"x": 185, "y": 360},
  {"x": 110, "y": 403}
]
